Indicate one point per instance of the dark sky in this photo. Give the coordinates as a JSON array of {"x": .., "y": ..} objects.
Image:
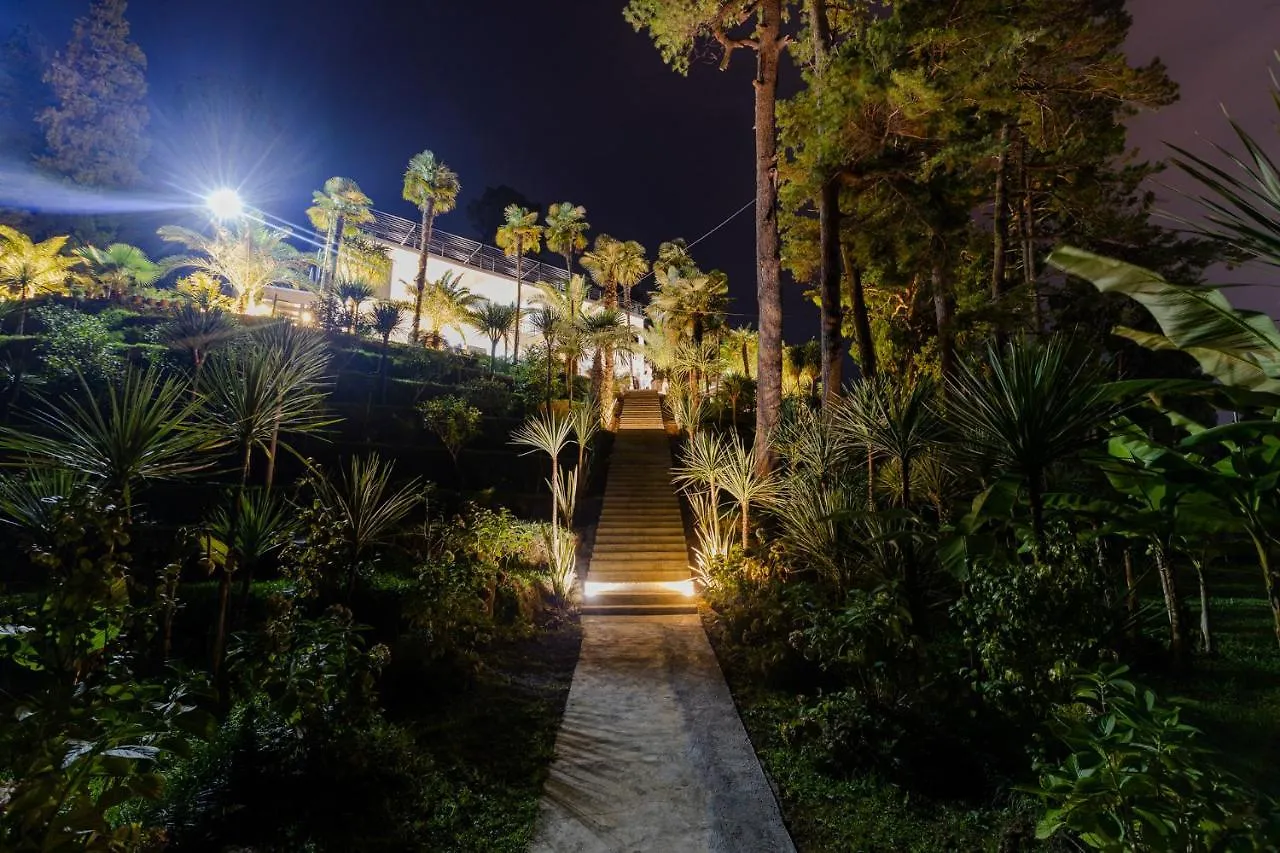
[{"x": 559, "y": 99}]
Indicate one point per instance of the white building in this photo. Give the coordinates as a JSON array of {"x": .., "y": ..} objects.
[{"x": 484, "y": 270}]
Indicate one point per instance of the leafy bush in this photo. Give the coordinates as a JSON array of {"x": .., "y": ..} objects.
[
  {"x": 1136, "y": 778},
  {"x": 489, "y": 395},
  {"x": 453, "y": 420},
  {"x": 1027, "y": 625},
  {"x": 75, "y": 342}
]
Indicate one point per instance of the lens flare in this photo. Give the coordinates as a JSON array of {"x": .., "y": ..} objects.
[{"x": 225, "y": 204}]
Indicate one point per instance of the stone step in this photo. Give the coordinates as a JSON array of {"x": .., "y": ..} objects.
[
  {"x": 652, "y": 576},
  {"x": 678, "y": 562},
  {"x": 638, "y": 536},
  {"x": 622, "y": 557},
  {"x": 670, "y": 522},
  {"x": 608, "y": 605}
]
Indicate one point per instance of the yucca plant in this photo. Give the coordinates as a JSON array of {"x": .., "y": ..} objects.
[
  {"x": 142, "y": 428},
  {"x": 197, "y": 332},
  {"x": 1028, "y": 407},
  {"x": 32, "y": 501},
  {"x": 894, "y": 419},
  {"x": 549, "y": 433},
  {"x": 368, "y": 507},
  {"x": 700, "y": 475},
  {"x": 300, "y": 358},
  {"x": 687, "y": 411},
  {"x": 715, "y": 535},
  {"x": 585, "y": 421},
  {"x": 561, "y": 546},
  {"x": 744, "y": 483}
]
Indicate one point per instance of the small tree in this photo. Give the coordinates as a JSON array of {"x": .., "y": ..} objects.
[{"x": 454, "y": 421}]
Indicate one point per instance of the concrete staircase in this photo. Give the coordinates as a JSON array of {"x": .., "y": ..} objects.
[{"x": 640, "y": 562}]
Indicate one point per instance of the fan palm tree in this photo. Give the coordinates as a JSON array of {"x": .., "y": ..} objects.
[
  {"x": 433, "y": 188},
  {"x": 247, "y": 256},
  {"x": 741, "y": 343},
  {"x": 1026, "y": 408},
  {"x": 519, "y": 235},
  {"x": 29, "y": 269},
  {"x": 357, "y": 293},
  {"x": 568, "y": 304},
  {"x": 689, "y": 300},
  {"x": 615, "y": 264},
  {"x": 119, "y": 268},
  {"x": 446, "y": 305},
  {"x": 362, "y": 259},
  {"x": 385, "y": 319},
  {"x": 204, "y": 292},
  {"x": 142, "y": 428},
  {"x": 337, "y": 210},
  {"x": 605, "y": 333},
  {"x": 496, "y": 322},
  {"x": 675, "y": 253},
  {"x": 547, "y": 322},
  {"x": 567, "y": 231}
]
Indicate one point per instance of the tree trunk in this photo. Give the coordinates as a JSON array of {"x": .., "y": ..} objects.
[
  {"x": 1270, "y": 579},
  {"x": 339, "y": 226},
  {"x": 382, "y": 370},
  {"x": 831, "y": 321},
  {"x": 519, "y": 286},
  {"x": 942, "y": 312},
  {"x": 1000, "y": 219},
  {"x": 550, "y": 380},
  {"x": 1172, "y": 605},
  {"x": 493, "y": 356},
  {"x": 861, "y": 317},
  {"x": 770, "y": 43},
  {"x": 1206, "y": 634},
  {"x": 420, "y": 281}
]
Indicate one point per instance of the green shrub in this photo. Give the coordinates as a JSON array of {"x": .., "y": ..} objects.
[
  {"x": 76, "y": 342},
  {"x": 1135, "y": 778}
]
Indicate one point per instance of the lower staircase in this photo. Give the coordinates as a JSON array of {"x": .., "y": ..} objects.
[{"x": 640, "y": 562}]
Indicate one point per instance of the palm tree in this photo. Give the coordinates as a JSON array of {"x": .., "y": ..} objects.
[
  {"x": 446, "y": 305},
  {"x": 604, "y": 333},
  {"x": 337, "y": 210},
  {"x": 434, "y": 188},
  {"x": 547, "y": 322},
  {"x": 567, "y": 303},
  {"x": 142, "y": 428},
  {"x": 567, "y": 231},
  {"x": 357, "y": 293},
  {"x": 675, "y": 253},
  {"x": 247, "y": 256},
  {"x": 120, "y": 267},
  {"x": 688, "y": 299},
  {"x": 613, "y": 264},
  {"x": 741, "y": 341},
  {"x": 519, "y": 235},
  {"x": 362, "y": 259},
  {"x": 496, "y": 322},
  {"x": 29, "y": 269},
  {"x": 385, "y": 319},
  {"x": 1026, "y": 408}
]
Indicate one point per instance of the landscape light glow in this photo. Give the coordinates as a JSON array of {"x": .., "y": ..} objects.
[
  {"x": 225, "y": 204},
  {"x": 591, "y": 589}
]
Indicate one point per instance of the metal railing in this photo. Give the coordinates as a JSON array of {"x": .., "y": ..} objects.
[{"x": 403, "y": 232}]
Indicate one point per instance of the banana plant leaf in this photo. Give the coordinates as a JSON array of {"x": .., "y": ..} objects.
[{"x": 1238, "y": 348}]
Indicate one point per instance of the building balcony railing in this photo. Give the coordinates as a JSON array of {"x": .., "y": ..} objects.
[{"x": 398, "y": 231}]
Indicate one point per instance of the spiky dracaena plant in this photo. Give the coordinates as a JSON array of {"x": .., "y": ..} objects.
[
  {"x": 144, "y": 427},
  {"x": 1028, "y": 407},
  {"x": 585, "y": 422},
  {"x": 700, "y": 475},
  {"x": 367, "y": 507},
  {"x": 687, "y": 410},
  {"x": 746, "y": 485}
]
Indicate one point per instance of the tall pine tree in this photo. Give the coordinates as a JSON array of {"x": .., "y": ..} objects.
[{"x": 96, "y": 130}]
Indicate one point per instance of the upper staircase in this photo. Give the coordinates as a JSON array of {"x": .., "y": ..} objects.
[{"x": 640, "y": 562}]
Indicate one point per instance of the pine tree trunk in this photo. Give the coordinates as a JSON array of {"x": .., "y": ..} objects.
[
  {"x": 1206, "y": 634},
  {"x": 1000, "y": 219},
  {"x": 831, "y": 321},
  {"x": 770, "y": 43},
  {"x": 942, "y": 312},
  {"x": 861, "y": 317}
]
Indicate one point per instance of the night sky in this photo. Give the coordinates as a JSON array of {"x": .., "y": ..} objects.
[{"x": 559, "y": 99}]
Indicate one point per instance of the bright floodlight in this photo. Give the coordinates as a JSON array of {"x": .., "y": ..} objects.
[{"x": 225, "y": 204}]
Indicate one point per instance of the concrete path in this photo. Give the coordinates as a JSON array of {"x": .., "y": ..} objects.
[{"x": 651, "y": 755}]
